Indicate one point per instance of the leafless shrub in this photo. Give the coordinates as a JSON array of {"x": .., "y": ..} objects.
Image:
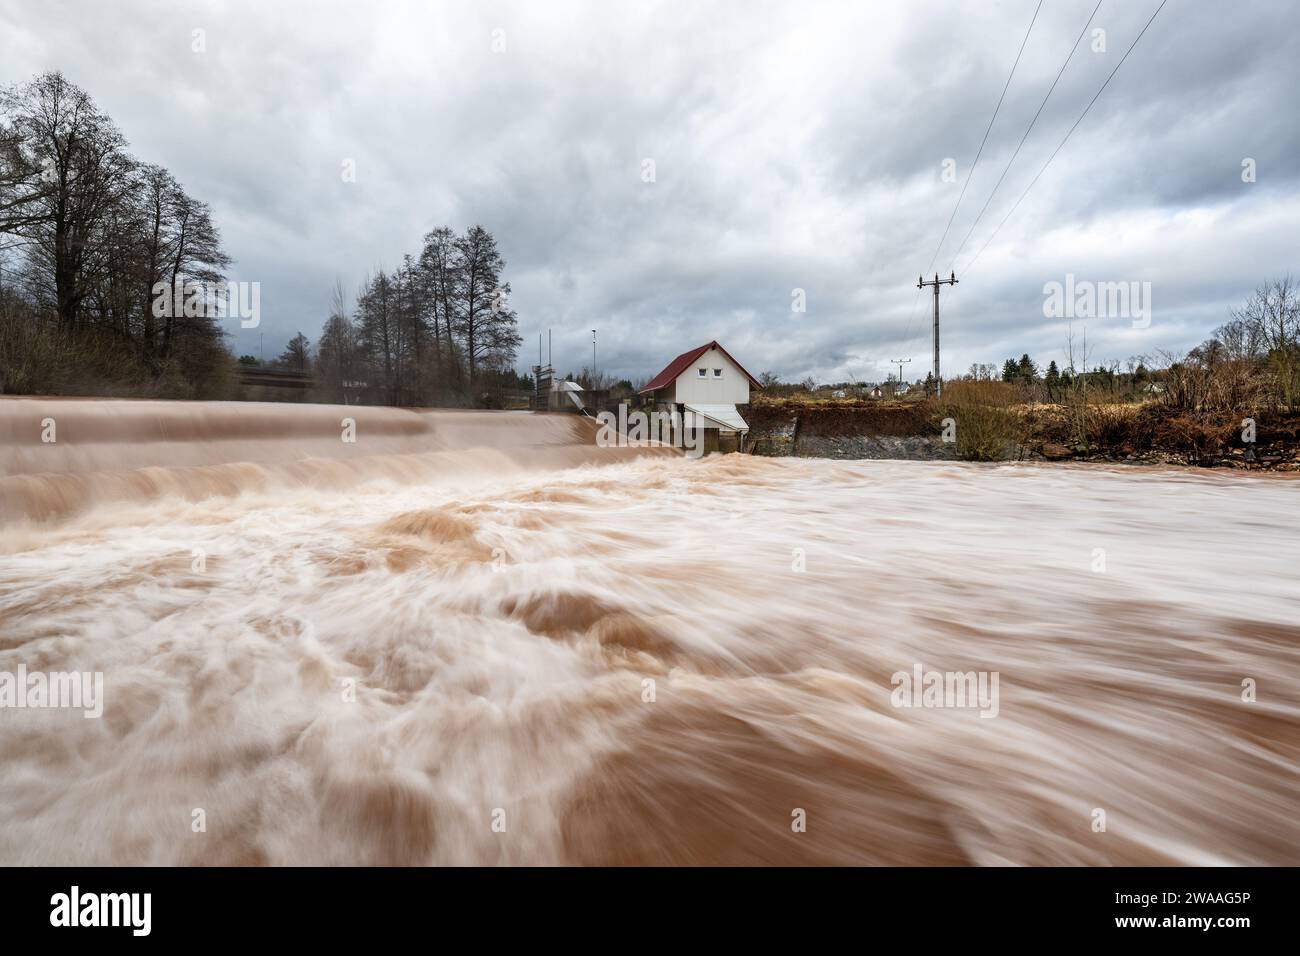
[{"x": 988, "y": 426}]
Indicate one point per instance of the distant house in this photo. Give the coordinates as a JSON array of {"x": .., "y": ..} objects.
[
  {"x": 708, "y": 382},
  {"x": 888, "y": 389}
]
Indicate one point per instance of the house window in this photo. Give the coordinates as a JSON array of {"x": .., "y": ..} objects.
[
  {"x": 703, "y": 372},
  {"x": 717, "y": 373}
]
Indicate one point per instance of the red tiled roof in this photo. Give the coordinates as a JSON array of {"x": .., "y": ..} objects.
[{"x": 683, "y": 362}]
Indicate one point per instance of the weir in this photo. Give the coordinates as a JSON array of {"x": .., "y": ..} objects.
[{"x": 59, "y": 456}]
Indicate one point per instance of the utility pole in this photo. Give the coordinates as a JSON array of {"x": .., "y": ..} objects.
[
  {"x": 900, "y": 363},
  {"x": 936, "y": 282},
  {"x": 593, "y": 358}
]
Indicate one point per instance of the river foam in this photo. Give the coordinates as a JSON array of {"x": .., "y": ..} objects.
[{"x": 498, "y": 651}]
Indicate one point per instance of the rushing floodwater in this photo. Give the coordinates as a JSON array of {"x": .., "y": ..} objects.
[{"x": 527, "y": 656}]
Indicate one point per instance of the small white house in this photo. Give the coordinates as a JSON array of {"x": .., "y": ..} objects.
[{"x": 708, "y": 382}]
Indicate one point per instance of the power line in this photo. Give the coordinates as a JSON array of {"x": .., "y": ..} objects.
[
  {"x": 987, "y": 130},
  {"x": 1016, "y": 205},
  {"x": 1069, "y": 56},
  {"x": 971, "y": 172}
]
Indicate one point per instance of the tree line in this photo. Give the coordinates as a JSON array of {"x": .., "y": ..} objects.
[
  {"x": 1251, "y": 364},
  {"x": 1052, "y": 382},
  {"x": 87, "y": 232},
  {"x": 437, "y": 329}
]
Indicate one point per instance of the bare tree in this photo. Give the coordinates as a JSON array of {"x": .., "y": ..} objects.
[
  {"x": 484, "y": 320},
  {"x": 22, "y": 190},
  {"x": 1076, "y": 397},
  {"x": 96, "y": 231},
  {"x": 83, "y": 172},
  {"x": 337, "y": 361},
  {"x": 297, "y": 354},
  {"x": 440, "y": 274},
  {"x": 1240, "y": 339},
  {"x": 1272, "y": 317}
]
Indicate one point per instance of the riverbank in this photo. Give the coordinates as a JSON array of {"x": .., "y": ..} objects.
[{"x": 915, "y": 430}]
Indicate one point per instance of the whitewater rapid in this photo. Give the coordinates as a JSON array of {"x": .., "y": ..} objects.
[{"x": 480, "y": 656}]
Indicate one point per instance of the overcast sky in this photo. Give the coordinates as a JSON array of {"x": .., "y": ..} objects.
[{"x": 795, "y": 145}]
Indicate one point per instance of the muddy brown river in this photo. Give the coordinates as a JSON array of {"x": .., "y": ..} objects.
[{"x": 476, "y": 638}]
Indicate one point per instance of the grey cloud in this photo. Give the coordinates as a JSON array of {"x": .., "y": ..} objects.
[{"x": 796, "y": 146}]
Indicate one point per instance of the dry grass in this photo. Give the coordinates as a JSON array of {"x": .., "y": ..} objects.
[{"x": 38, "y": 358}]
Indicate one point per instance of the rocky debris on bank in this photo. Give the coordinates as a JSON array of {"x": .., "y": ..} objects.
[
  {"x": 876, "y": 447},
  {"x": 909, "y": 430}
]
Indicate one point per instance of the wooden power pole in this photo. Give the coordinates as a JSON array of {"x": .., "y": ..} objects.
[{"x": 936, "y": 282}]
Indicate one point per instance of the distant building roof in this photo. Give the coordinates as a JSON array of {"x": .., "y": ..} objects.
[{"x": 683, "y": 362}]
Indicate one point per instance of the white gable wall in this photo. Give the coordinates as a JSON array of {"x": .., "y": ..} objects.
[{"x": 732, "y": 388}]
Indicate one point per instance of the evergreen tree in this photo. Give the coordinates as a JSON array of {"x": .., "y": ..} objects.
[{"x": 1010, "y": 371}]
